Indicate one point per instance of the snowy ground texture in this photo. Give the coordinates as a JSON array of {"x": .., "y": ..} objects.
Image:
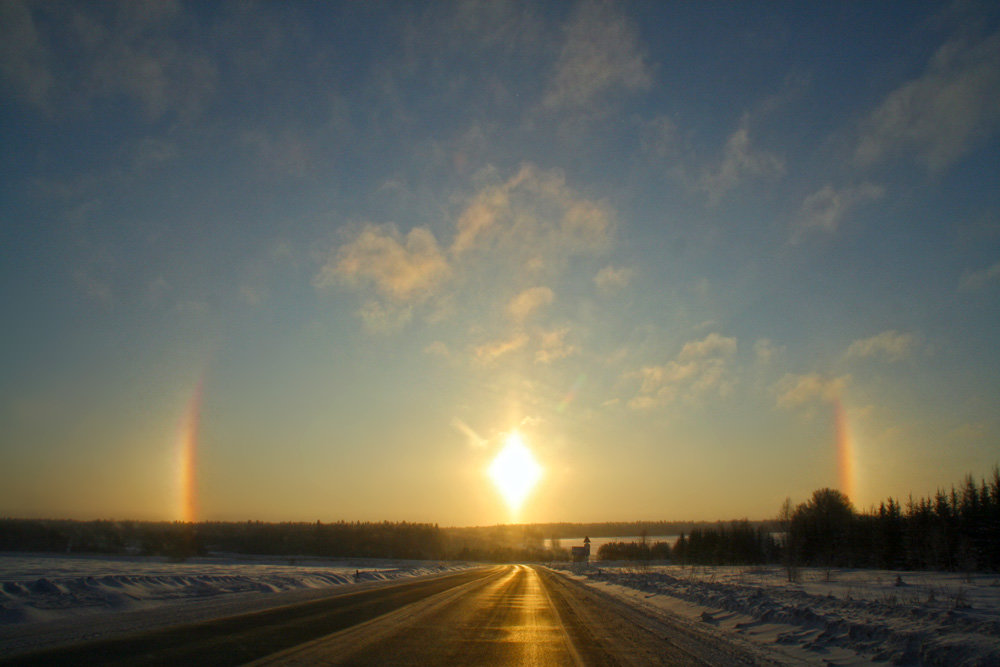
[
  {"x": 47, "y": 600},
  {"x": 838, "y": 617}
]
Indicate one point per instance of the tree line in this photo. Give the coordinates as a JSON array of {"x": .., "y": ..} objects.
[{"x": 957, "y": 530}]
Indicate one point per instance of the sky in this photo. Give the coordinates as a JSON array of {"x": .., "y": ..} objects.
[{"x": 318, "y": 261}]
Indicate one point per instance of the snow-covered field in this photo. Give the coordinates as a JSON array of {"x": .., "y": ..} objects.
[
  {"x": 47, "y": 600},
  {"x": 841, "y": 617}
]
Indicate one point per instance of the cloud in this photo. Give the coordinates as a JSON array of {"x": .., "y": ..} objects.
[
  {"x": 611, "y": 279},
  {"x": 973, "y": 280},
  {"x": 380, "y": 317},
  {"x": 62, "y": 58},
  {"x": 699, "y": 368},
  {"x": 711, "y": 345},
  {"x": 527, "y": 302},
  {"x": 824, "y": 209},
  {"x": 525, "y": 229},
  {"x": 552, "y": 346},
  {"x": 600, "y": 56},
  {"x": 740, "y": 160},
  {"x": 889, "y": 344},
  {"x": 24, "y": 56},
  {"x": 533, "y": 215},
  {"x": 766, "y": 351},
  {"x": 284, "y": 152},
  {"x": 473, "y": 438},
  {"x": 658, "y": 137},
  {"x": 797, "y": 390},
  {"x": 487, "y": 353},
  {"x": 438, "y": 349},
  {"x": 402, "y": 269},
  {"x": 943, "y": 113}
]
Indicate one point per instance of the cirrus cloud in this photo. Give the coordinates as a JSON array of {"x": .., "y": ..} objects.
[
  {"x": 891, "y": 345},
  {"x": 796, "y": 390},
  {"x": 940, "y": 115},
  {"x": 701, "y": 367},
  {"x": 400, "y": 268},
  {"x": 522, "y": 306}
]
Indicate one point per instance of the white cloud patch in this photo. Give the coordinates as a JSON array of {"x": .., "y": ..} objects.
[
  {"x": 797, "y": 390},
  {"x": 700, "y": 368},
  {"x": 522, "y": 306},
  {"x": 400, "y": 268},
  {"x": 611, "y": 279},
  {"x": 601, "y": 56},
  {"x": 740, "y": 160},
  {"x": 824, "y": 209},
  {"x": 974, "y": 280},
  {"x": 941, "y": 115},
  {"x": 891, "y": 345}
]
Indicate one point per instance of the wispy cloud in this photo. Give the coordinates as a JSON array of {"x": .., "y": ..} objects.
[
  {"x": 438, "y": 349},
  {"x": 824, "y": 209},
  {"x": 973, "y": 280},
  {"x": 740, "y": 160},
  {"x": 698, "y": 369},
  {"x": 534, "y": 215},
  {"x": 525, "y": 229},
  {"x": 553, "y": 345},
  {"x": 942, "y": 114},
  {"x": 131, "y": 50},
  {"x": 400, "y": 268},
  {"x": 487, "y": 353},
  {"x": 891, "y": 345},
  {"x": 601, "y": 55},
  {"x": 522, "y": 306},
  {"x": 611, "y": 279},
  {"x": 797, "y": 390},
  {"x": 24, "y": 56},
  {"x": 473, "y": 438},
  {"x": 766, "y": 351}
]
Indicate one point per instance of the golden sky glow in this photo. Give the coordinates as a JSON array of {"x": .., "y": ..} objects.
[{"x": 564, "y": 261}]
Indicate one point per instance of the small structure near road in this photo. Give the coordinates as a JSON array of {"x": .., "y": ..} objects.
[{"x": 581, "y": 554}]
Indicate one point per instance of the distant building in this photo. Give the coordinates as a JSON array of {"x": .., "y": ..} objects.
[{"x": 582, "y": 554}]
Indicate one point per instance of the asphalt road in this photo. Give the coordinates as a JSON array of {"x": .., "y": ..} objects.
[
  {"x": 505, "y": 615},
  {"x": 513, "y": 615}
]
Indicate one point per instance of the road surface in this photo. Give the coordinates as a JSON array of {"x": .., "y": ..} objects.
[{"x": 505, "y": 615}]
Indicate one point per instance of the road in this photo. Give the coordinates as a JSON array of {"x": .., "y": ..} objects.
[{"x": 505, "y": 615}]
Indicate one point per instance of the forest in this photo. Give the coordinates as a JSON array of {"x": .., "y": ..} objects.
[{"x": 956, "y": 529}]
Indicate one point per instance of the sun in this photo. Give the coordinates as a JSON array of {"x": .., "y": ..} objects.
[{"x": 515, "y": 471}]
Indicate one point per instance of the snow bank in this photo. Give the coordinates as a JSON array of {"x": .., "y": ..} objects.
[
  {"x": 835, "y": 617},
  {"x": 43, "y": 588}
]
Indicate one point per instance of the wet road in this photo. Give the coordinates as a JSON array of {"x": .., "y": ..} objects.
[{"x": 515, "y": 615}]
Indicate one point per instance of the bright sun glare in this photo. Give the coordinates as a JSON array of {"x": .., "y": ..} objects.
[{"x": 515, "y": 471}]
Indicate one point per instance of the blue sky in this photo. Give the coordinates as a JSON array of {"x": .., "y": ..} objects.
[{"x": 666, "y": 243}]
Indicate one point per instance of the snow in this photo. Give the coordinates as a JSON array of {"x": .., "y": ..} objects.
[
  {"x": 835, "y": 617},
  {"x": 840, "y": 617},
  {"x": 47, "y": 600}
]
